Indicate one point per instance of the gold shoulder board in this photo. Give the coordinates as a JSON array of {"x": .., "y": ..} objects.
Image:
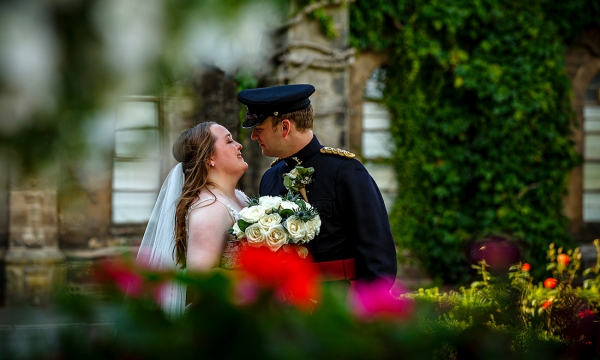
[
  {"x": 338, "y": 152},
  {"x": 275, "y": 162}
]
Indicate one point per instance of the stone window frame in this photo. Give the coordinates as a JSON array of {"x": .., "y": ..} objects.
[
  {"x": 360, "y": 73},
  {"x": 583, "y": 63},
  {"x": 138, "y": 228}
]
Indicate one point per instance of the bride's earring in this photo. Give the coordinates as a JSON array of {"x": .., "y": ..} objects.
[{"x": 212, "y": 163}]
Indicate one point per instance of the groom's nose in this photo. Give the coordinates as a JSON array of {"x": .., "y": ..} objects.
[{"x": 253, "y": 135}]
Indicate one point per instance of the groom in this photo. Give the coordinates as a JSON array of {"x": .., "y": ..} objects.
[{"x": 355, "y": 241}]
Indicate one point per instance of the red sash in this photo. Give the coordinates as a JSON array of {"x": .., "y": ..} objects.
[{"x": 337, "y": 270}]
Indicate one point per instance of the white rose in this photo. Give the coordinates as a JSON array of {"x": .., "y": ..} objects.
[
  {"x": 293, "y": 174},
  {"x": 268, "y": 221},
  {"x": 317, "y": 223},
  {"x": 237, "y": 231},
  {"x": 296, "y": 228},
  {"x": 311, "y": 230},
  {"x": 255, "y": 235},
  {"x": 289, "y": 205},
  {"x": 276, "y": 237},
  {"x": 252, "y": 214},
  {"x": 270, "y": 202}
]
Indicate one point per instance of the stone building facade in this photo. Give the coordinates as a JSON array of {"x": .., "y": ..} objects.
[
  {"x": 582, "y": 204},
  {"x": 52, "y": 229}
]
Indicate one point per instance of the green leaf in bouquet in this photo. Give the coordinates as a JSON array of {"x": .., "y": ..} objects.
[
  {"x": 243, "y": 224},
  {"x": 286, "y": 213},
  {"x": 301, "y": 204}
]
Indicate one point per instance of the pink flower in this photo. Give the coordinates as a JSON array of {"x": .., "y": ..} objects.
[
  {"x": 246, "y": 291},
  {"x": 370, "y": 300},
  {"x": 122, "y": 275}
]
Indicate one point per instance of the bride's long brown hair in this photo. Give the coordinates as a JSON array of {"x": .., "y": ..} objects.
[{"x": 193, "y": 148}]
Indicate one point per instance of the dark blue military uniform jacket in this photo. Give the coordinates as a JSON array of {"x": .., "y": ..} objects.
[{"x": 354, "y": 220}]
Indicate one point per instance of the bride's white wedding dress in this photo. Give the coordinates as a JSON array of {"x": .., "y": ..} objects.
[{"x": 156, "y": 249}]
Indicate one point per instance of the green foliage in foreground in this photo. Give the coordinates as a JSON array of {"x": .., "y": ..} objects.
[
  {"x": 496, "y": 318},
  {"x": 480, "y": 101},
  {"x": 216, "y": 328}
]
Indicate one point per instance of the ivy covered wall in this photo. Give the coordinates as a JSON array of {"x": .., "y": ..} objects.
[{"x": 482, "y": 120}]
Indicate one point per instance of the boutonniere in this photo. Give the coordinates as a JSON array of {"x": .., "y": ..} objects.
[{"x": 297, "y": 179}]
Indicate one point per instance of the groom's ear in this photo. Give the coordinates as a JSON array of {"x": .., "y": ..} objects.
[{"x": 286, "y": 126}]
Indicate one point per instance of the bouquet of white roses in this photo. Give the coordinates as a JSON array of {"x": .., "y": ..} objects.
[{"x": 276, "y": 222}]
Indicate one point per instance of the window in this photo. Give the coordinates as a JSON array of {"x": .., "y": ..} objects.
[
  {"x": 591, "y": 152},
  {"x": 137, "y": 161},
  {"x": 377, "y": 142}
]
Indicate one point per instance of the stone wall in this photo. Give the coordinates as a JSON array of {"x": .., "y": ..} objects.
[
  {"x": 34, "y": 266},
  {"x": 306, "y": 55}
]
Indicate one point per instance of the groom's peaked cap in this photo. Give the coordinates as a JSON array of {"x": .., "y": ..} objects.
[{"x": 272, "y": 101}]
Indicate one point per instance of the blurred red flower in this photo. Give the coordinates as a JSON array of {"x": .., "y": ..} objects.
[
  {"x": 293, "y": 278},
  {"x": 550, "y": 283},
  {"x": 546, "y": 304},
  {"x": 122, "y": 274},
  {"x": 370, "y": 300},
  {"x": 563, "y": 259},
  {"x": 586, "y": 313},
  {"x": 526, "y": 267}
]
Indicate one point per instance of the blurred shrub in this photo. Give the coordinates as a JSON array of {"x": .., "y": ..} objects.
[
  {"x": 65, "y": 64},
  {"x": 253, "y": 314},
  {"x": 482, "y": 121}
]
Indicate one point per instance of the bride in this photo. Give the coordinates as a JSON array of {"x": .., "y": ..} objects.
[{"x": 197, "y": 203}]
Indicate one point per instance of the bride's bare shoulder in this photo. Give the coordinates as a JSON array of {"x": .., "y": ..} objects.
[{"x": 213, "y": 216}]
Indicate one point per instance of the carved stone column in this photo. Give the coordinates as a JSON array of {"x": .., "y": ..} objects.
[
  {"x": 34, "y": 266},
  {"x": 309, "y": 56},
  {"x": 306, "y": 55}
]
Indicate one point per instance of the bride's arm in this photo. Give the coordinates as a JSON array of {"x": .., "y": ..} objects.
[{"x": 207, "y": 228}]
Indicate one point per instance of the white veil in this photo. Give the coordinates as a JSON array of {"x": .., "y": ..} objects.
[{"x": 156, "y": 249}]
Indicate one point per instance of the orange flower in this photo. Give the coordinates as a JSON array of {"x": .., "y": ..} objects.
[
  {"x": 550, "y": 283},
  {"x": 563, "y": 259},
  {"x": 293, "y": 278},
  {"x": 546, "y": 304},
  {"x": 526, "y": 267}
]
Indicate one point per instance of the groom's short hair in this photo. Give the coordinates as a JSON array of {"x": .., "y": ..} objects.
[{"x": 302, "y": 119}]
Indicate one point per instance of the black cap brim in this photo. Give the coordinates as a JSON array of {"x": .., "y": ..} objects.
[{"x": 272, "y": 101}]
